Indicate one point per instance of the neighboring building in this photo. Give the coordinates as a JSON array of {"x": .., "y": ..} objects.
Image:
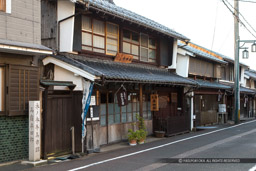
[
  {"x": 250, "y": 82},
  {"x": 20, "y": 45},
  {"x": 203, "y": 67},
  {"x": 119, "y": 51}
]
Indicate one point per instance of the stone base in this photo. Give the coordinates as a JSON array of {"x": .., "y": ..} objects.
[{"x": 35, "y": 163}]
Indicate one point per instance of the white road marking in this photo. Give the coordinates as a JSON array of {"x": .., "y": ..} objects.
[
  {"x": 153, "y": 148},
  {"x": 253, "y": 168}
]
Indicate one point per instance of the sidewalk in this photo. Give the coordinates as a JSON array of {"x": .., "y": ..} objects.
[{"x": 17, "y": 166}]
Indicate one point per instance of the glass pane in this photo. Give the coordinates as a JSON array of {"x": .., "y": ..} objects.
[
  {"x": 149, "y": 115},
  {"x": 144, "y": 54},
  {"x": 134, "y": 117},
  {"x": 126, "y": 35},
  {"x": 110, "y": 108},
  {"x": 87, "y": 39},
  {"x": 135, "y": 57},
  {"x": 98, "y": 42},
  {"x": 134, "y": 107},
  {"x": 103, "y": 109},
  {"x": 138, "y": 106},
  {"x": 123, "y": 117},
  {"x": 129, "y": 107},
  {"x": 110, "y": 119},
  {"x": 111, "y": 52},
  {"x": 135, "y": 38},
  {"x": 98, "y": 27},
  {"x": 144, "y": 40},
  {"x": 129, "y": 117},
  {"x": 103, "y": 120},
  {"x": 117, "y": 109},
  {"x": 87, "y": 48},
  {"x": 135, "y": 50},
  {"x": 117, "y": 118},
  {"x": 2, "y": 87},
  {"x": 98, "y": 50},
  {"x": 144, "y": 106},
  {"x": 152, "y": 43},
  {"x": 112, "y": 47},
  {"x": 126, "y": 47},
  {"x": 87, "y": 23},
  {"x": 152, "y": 54},
  {"x": 113, "y": 29},
  {"x": 112, "y": 41},
  {"x": 145, "y": 115}
]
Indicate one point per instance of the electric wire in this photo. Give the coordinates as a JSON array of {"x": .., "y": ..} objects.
[
  {"x": 215, "y": 24},
  {"x": 242, "y": 17},
  {"x": 237, "y": 17}
]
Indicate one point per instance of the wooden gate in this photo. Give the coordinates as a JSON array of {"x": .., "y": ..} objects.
[
  {"x": 173, "y": 116},
  {"x": 62, "y": 110}
]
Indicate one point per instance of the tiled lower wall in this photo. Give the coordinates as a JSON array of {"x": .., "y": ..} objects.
[{"x": 13, "y": 138}]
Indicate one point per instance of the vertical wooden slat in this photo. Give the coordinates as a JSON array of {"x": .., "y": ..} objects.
[
  {"x": 24, "y": 89},
  {"x": 19, "y": 89},
  {"x": 141, "y": 101}
]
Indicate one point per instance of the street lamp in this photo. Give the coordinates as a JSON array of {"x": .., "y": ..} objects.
[{"x": 245, "y": 54}]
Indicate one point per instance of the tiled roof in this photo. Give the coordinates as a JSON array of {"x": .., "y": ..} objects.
[
  {"x": 200, "y": 53},
  {"x": 115, "y": 71},
  {"x": 214, "y": 85},
  {"x": 247, "y": 90},
  {"x": 251, "y": 74},
  {"x": 25, "y": 45},
  {"x": 133, "y": 17}
]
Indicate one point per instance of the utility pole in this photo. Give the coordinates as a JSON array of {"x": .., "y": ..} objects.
[{"x": 236, "y": 67}]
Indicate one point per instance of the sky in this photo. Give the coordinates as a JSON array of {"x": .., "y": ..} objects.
[{"x": 207, "y": 23}]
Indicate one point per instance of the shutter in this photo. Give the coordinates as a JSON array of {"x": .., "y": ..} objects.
[{"x": 23, "y": 85}]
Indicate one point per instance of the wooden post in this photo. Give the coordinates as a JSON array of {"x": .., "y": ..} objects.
[
  {"x": 45, "y": 97},
  {"x": 141, "y": 101}
]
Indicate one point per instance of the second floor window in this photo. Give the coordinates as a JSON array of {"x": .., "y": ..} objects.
[
  {"x": 3, "y": 5},
  {"x": 99, "y": 36},
  {"x": 141, "y": 46}
]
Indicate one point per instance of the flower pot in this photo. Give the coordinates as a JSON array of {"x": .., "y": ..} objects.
[
  {"x": 159, "y": 134},
  {"x": 133, "y": 142},
  {"x": 142, "y": 141}
]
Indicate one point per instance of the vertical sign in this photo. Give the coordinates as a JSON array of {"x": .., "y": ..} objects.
[
  {"x": 34, "y": 130},
  {"x": 122, "y": 97},
  {"x": 154, "y": 102}
]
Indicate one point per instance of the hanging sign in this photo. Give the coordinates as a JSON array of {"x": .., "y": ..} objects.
[
  {"x": 124, "y": 58},
  {"x": 34, "y": 130},
  {"x": 154, "y": 102},
  {"x": 122, "y": 97}
]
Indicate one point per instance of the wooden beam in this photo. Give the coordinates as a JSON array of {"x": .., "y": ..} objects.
[{"x": 141, "y": 101}]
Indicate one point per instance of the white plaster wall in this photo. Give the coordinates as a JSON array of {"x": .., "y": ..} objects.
[
  {"x": 61, "y": 74},
  {"x": 242, "y": 80},
  {"x": 182, "y": 65},
  {"x": 174, "y": 55},
  {"x": 66, "y": 9}
]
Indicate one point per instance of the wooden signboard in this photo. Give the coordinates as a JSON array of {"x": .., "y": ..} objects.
[
  {"x": 124, "y": 58},
  {"x": 122, "y": 97},
  {"x": 154, "y": 102}
]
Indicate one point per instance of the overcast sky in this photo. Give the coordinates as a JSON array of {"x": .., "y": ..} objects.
[{"x": 207, "y": 23}]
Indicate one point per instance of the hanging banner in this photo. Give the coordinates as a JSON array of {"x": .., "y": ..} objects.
[
  {"x": 122, "y": 97},
  {"x": 87, "y": 92}
]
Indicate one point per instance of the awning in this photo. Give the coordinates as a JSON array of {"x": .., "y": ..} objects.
[
  {"x": 47, "y": 83},
  {"x": 111, "y": 71},
  {"x": 244, "y": 90},
  {"x": 213, "y": 84}
]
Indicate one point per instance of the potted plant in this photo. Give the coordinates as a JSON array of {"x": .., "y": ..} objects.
[
  {"x": 132, "y": 137},
  {"x": 142, "y": 133},
  {"x": 141, "y": 136}
]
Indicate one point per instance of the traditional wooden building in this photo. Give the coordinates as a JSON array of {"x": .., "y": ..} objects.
[
  {"x": 203, "y": 67},
  {"x": 20, "y": 46},
  {"x": 126, "y": 57}
]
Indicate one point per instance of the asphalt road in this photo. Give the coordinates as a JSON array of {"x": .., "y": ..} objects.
[{"x": 216, "y": 145}]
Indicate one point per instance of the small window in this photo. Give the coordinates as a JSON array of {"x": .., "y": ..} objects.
[
  {"x": 131, "y": 43},
  {"x": 3, "y": 5},
  {"x": 2, "y": 87},
  {"x": 112, "y": 39}
]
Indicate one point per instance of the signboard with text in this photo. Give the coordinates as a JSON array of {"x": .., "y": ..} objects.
[
  {"x": 154, "y": 102},
  {"x": 34, "y": 130}
]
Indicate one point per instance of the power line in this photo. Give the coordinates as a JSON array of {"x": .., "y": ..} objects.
[
  {"x": 237, "y": 17},
  {"x": 245, "y": 1},
  {"x": 242, "y": 17},
  {"x": 215, "y": 24}
]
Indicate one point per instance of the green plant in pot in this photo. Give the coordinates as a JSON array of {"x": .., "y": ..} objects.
[
  {"x": 132, "y": 137},
  {"x": 141, "y": 136},
  {"x": 142, "y": 133}
]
